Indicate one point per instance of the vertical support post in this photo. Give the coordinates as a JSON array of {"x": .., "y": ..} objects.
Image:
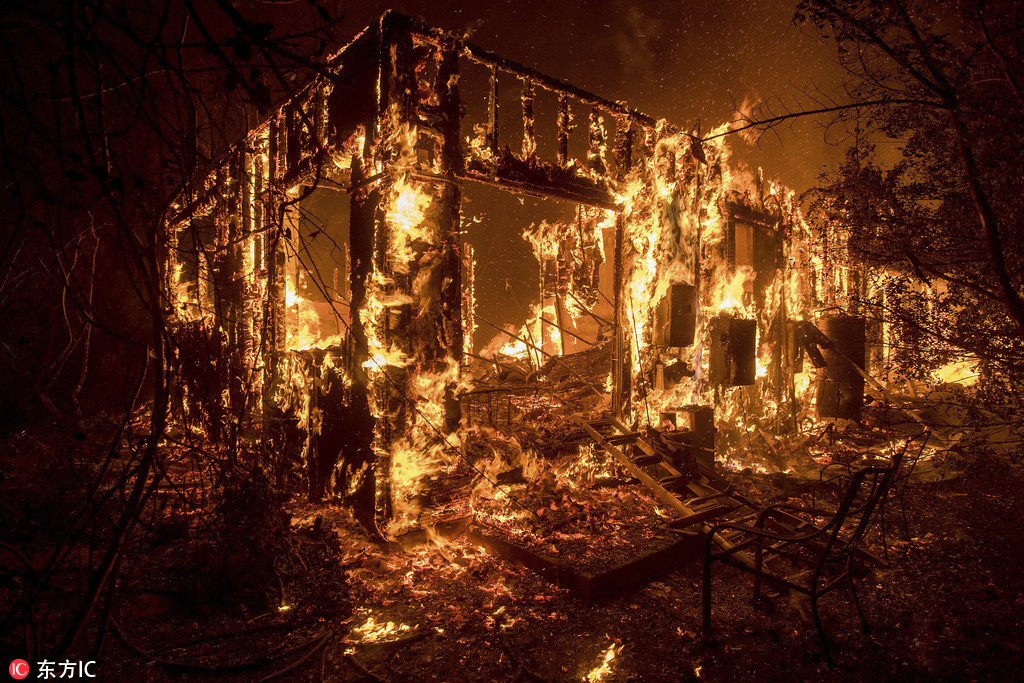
[
  {"x": 169, "y": 258},
  {"x": 564, "y": 129},
  {"x": 274, "y": 150},
  {"x": 621, "y": 361},
  {"x": 410, "y": 257},
  {"x": 274, "y": 310},
  {"x": 529, "y": 125},
  {"x": 623, "y": 152},
  {"x": 492, "y": 112},
  {"x": 320, "y": 109},
  {"x": 541, "y": 296},
  {"x": 468, "y": 297},
  {"x": 560, "y": 319},
  {"x": 249, "y": 274},
  {"x": 233, "y": 282},
  {"x": 452, "y": 342},
  {"x": 292, "y": 126},
  {"x": 596, "y": 143},
  {"x": 370, "y": 493}
]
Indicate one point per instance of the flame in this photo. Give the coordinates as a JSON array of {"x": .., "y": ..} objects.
[
  {"x": 304, "y": 327},
  {"x": 730, "y": 293},
  {"x": 679, "y": 217},
  {"x": 963, "y": 372},
  {"x": 181, "y": 298},
  {"x": 418, "y": 448},
  {"x": 372, "y": 631},
  {"x": 407, "y": 222},
  {"x": 515, "y": 348},
  {"x": 604, "y": 669}
]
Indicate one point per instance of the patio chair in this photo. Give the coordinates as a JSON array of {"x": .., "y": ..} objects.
[{"x": 804, "y": 549}]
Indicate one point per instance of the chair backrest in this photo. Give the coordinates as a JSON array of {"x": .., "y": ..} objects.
[{"x": 860, "y": 504}]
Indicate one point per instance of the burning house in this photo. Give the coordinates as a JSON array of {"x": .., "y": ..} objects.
[
  {"x": 441, "y": 368},
  {"x": 327, "y": 290}
]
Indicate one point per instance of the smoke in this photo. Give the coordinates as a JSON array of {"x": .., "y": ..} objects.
[
  {"x": 636, "y": 42},
  {"x": 746, "y": 111}
]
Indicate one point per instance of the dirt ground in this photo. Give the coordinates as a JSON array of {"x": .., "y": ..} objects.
[{"x": 950, "y": 606}]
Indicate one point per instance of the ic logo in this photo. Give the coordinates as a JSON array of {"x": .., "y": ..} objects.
[{"x": 18, "y": 669}]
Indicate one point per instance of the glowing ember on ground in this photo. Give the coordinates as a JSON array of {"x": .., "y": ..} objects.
[
  {"x": 370, "y": 631},
  {"x": 604, "y": 669}
]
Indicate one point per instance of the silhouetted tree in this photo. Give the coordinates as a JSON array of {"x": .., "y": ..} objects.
[
  {"x": 110, "y": 112},
  {"x": 944, "y": 82}
]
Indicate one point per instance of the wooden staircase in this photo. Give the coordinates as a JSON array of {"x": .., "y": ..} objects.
[{"x": 683, "y": 477}]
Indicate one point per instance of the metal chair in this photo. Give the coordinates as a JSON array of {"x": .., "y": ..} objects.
[{"x": 787, "y": 543}]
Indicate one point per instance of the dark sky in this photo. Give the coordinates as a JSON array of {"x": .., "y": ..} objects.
[{"x": 679, "y": 60}]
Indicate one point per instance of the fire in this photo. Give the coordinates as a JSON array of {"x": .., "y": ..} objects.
[
  {"x": 585, "y": 469},
  {"x": 731, "y": 293},
  {"x": 604, "y": 669},
  {"x": 706, "y": 225},
  {"x": 370, "y": 631},
  {"x": 714, "y": 244},
  {"x": 305, "y": 328},
  {"x": 963, "y": 372},
  {"x": 408, "y": 222},
  {"x": 418, "y": 448}
]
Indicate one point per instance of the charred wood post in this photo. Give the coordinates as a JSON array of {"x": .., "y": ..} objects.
[
  {"x": 416, "y": 268},
  {"x": 564, "y": 128},
  {"x": 274, "y": 257},
  {"x": 623, "y": 151},
  {"x": 234, "y": 295},
  {"x": 529, "y": 125},
  {"x": 620, "y": 360},
  {"x": 622, "y": 363},
  {"x": 597, "y": 141},
  {"x": 388, "y": 382},
  {"x": 492, "y": 112},
  {"x": 451, "y": 163},
  {"x": 366, "y": 202}
]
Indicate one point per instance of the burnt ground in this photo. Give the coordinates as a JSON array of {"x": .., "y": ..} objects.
[{"x": 950, "y": 606}]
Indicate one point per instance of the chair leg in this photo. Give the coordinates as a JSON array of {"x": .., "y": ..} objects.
[
  {"x": 821, "y": 628},
  {"x": 757, "y": 577},
  {"x": 856, "y": 603},
  {"x": 706, "y": 600}
]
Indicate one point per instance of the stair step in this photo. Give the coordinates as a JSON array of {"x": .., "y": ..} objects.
[
  {"x": 645, "y": 460},
  {"x": 674, "y": 483}
]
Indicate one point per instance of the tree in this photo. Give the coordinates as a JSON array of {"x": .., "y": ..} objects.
[
  {"x": 944, "y": 80},
  {"x": 110, "y": 113}
]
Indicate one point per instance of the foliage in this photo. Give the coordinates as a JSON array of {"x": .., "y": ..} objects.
[
  {"x": 942, "y": 214},
  {"x": 111, "y": 114}
]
